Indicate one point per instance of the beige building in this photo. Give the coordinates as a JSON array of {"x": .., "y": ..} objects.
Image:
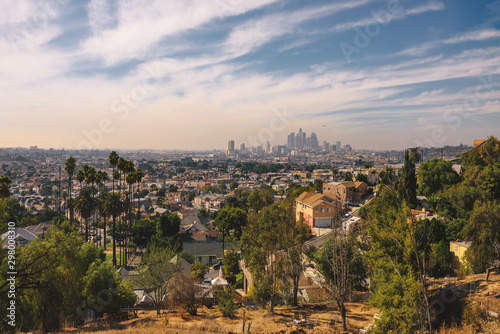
[
  {"x": 345, "y": 191},
  {"x": 458, "y": 248},
  {"x": 315, "y": 209}
]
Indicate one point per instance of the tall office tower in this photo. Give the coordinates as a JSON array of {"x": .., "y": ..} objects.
[
  {"x": 303, "y": 141},
  {"x": 291, "y": 140},
  {"x": 230, "y": 145},
  {"x": 339, "y": 147},
  {"x": 308, "y": 142},
  {"x": 326, "y": 146},
  {"x": 299, "y": 141},
  {"x": 314, "y": 141},
  {"x": 333, "y": 148},
  {"x": 268, "y": 147},
  {"x": 347, "y": 148},
  {"x": 242, "y": 146}
]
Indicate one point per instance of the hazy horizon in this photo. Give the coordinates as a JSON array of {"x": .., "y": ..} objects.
[{"x": 191, "y": 75}]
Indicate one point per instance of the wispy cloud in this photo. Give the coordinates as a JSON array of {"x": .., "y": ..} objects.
[{"x": 432, "y": 6}]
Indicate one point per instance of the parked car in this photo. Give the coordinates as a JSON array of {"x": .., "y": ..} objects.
[
  {"x": 217, "y": 265},
  {"x": 207, "y": 281}
]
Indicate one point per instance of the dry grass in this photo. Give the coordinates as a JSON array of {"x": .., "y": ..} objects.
[{"x": 359, "y": 316}]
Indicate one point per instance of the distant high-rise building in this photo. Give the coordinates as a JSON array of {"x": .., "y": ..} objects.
[
  {"x": 314, "y": 141},
  {"x": 291, "y": 140},
  {"x": 333, "y": 148},
  {"x": 230, "y": 145},
  {"x": 299, "y": 142},
  {"x": 339, "y": 146},
  {"x": 242, "y": 146},
  {"x": 347, "y": 148},
  {"x": 268, "y": 147},
  {"x": 326, "y": 146}
]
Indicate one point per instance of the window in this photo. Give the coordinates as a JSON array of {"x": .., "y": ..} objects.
[
  {"x": 316, "y": 209},
  {"x": 327, "y": 209},
  {"x": 322, "y": 210}
]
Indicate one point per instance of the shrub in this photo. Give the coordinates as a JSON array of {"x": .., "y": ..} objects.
[{"x": 226, "y": 303}]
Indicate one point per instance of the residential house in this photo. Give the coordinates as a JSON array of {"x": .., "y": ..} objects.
[
  {"x": 194, "y": 222},
  {"x": 39, "y": 230},
  {"x": 458, "y": 248},
  {"x": 345, "y": 191},
  {"x": 22, "y": 237},
  {"x": 315, "y": 209},
  {"x": 211, "y": 202},
  {"x": 207, "y": 252},
  {"x": 373, "y": 177}
]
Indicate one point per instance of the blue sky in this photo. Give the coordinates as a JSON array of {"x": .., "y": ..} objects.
[{"x": 191, "y": 74}]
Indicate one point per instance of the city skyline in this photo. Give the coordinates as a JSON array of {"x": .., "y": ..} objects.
[{"x": 188, "y": 75}]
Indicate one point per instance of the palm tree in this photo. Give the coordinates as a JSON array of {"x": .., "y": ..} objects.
[
  {"x": 69, "y": 167},
  {"x": 130, "y": 179},
  {"x": 121, "y": 165},
  {"x": 103, "y": 197},
  {"x": 85, "y": 205},
  {"x": 113, "y": 160},
  {"x": 80, "y": 176},
  {"x": 101, "y": 177},
  {"x": 138, "y": 179},
  {"x": 114, "y": 206}
]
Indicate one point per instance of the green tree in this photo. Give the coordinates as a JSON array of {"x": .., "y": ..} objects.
[
  {"x": 10, "y": 211},
  {"x": 154, "y": 274},
  {"x": 341, "y": 264},
  {"x": 142, "y": 232},
  {"x": 435, "y": 175},
  {"x": 226, "y": 303},
  {"x": 230, "y": 263},
  {"x": 318, "y": 185},
  {"x": 104, "y": 291},
  {"x": 408, "y": 181},
  {"x": 259, "y": 198},
  {"x": 168, "y": 225},
  {"x": 484, "y": 230},
  {"x": 198, "y": 271},
  {"x": 230, "y": 222},
  {"x": 387, "y": 177},
  {"x": 233, "y": 185},
  {"x": 441, "y": 260},
  {"x": 262, "y": 246},
  {"x": 397, "y": 263},
  {"x": 49, "y": 281},
  {"x": 362, "y": 177},
  {"x": 5, "y": 183}
]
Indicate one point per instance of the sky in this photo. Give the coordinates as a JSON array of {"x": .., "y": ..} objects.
[{"x": 193, "y": 74}]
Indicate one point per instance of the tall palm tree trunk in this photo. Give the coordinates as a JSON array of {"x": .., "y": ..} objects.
[{"x": 114, "y": 240}]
